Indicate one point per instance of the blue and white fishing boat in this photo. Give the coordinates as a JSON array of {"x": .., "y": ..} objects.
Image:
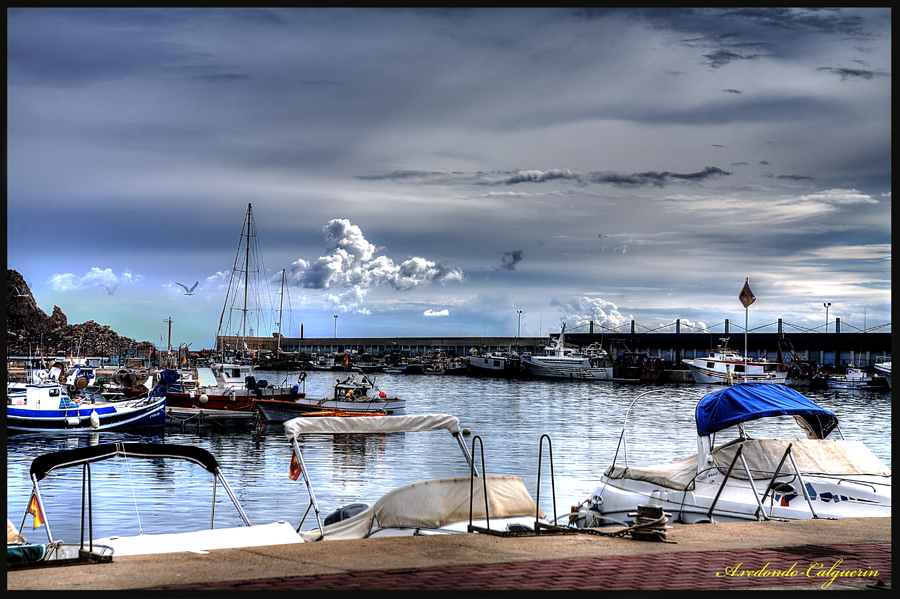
[
  {"x": 748, "y": 478},
  {"x": 854, "y": 377},
  {"x": 51, "y": 406}
]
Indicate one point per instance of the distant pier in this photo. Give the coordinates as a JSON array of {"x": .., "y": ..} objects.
[{"x": 842, "y": 345}]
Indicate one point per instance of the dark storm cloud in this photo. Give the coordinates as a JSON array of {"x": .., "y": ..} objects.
[
  {"x": 853, "y": 73},
  {"x": 509, "y": 260},
  {"x": 790, "y": 177},
  {"x": 541, "y": 176},
  {"x": 399, "y": 175},
  {"x": 647, "y": 178},
  {"x": 720, "y": 58},
  {"x": 656, "y": 178}
]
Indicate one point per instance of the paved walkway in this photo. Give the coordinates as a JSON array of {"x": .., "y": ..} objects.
[
  {"x": 803, "y": 554},
  {"x": 832, "y": 567}
]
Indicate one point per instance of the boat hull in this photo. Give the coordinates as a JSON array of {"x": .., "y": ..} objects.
[
  {"x": 711, "y": 376},
  {"x": 281, "y": 411},
  {"x": 494, "y": 367},
  {"x": 111, "y": 416},
  {"x": 240, "y": 401},
  {"x": 563, "y": 369},
  {"x": 831, "y": 498}
]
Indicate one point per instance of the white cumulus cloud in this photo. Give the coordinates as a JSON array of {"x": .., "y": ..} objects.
[{"x": 350, "y": 261}]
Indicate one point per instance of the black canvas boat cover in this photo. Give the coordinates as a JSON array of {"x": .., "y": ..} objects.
[{"x": 43, "y": 465}]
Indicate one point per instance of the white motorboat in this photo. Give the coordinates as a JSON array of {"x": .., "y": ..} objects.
[
  {"x": 748, "y": 478},
  {"x": 883, "y": 365},
  {"x": 486, "y": 504},
  {"x": 106, "y": 548},
  {"x": 591, "y": 363},
  {"x": 725, "y": 366}
]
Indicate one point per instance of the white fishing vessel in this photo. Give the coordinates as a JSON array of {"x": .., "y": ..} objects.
[
  {"x": 725, "y": 366},
  {"x": 747, "y": 478},
  {"x": 558, "y": 361}
]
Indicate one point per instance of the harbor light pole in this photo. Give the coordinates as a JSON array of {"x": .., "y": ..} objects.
[
  {"x": 335, "y": 326},
  {"x": 519, "y": 330},
  {"x": 827, "y": 305}
]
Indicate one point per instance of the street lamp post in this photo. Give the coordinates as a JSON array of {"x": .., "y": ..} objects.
[
  {"x": 335, "y": 326},
  {"x": 827, "y": 305}
]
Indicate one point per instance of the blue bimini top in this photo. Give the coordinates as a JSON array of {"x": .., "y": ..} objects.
[{"x": 749, "y": 401}]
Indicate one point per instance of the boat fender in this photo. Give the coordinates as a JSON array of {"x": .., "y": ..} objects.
[
  {"x": 204, "y": 398},
  {"x": 302, "y": 377},
  {"x": 95, "y": 419},
  {"x": 382, "y": 394},
  {"x": 231, "y": 396},
  {"x": 72, "y": 421}
]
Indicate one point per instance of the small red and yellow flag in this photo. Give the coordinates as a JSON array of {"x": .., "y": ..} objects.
[
  {"x": 295, "y": 467},
  {"x": 34, "y": 508}
]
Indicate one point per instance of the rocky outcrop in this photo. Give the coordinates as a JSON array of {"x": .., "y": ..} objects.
[{"x": 28, "y": 328}]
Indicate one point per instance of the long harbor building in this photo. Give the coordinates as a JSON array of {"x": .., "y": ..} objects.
[{"x": 840, "y": 346}]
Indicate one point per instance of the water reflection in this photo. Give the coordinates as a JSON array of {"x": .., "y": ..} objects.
[{"x": 583, "y": 419}]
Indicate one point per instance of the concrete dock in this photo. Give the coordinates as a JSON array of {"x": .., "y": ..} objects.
[{"x": 848, "y": 554}]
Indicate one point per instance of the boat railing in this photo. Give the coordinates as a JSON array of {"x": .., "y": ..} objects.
[
  {"x": 760, "y": 513},
  {"x": 539, "y": 527}
]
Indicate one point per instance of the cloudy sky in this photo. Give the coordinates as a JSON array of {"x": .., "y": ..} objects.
[{"x": 433, "y": 172}]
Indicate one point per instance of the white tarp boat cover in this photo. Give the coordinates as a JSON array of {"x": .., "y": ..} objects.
[
  {"x": 813, "y": 456},
  {"x": 433, "y": 504},
  {"x": 333, "y": 425},
  {"x": 677, "y": 475}
]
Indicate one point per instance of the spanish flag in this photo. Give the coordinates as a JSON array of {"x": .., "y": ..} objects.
[
  {"x": 34, "y": 508},
  {"x": 295, "y": 467}
]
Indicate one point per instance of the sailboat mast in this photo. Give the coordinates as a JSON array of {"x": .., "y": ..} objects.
[
  {"x": 281, "y": 311},
  {"x": 246, "y": 273}
]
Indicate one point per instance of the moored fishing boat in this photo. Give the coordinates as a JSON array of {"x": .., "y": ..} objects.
[
  {"x": 748, "y": 478},
  {"x": 446, "y": 366},
  {"x": 53, "y": 407},
  {"x": 591, "y": 363},
  {"x": 503, "y": 364},
  {"x": 236, "y": 389},
  {"x": 854, "y": 378},
  {"x": 725, "y": 366},
  {"x": 351, "y": 396}
]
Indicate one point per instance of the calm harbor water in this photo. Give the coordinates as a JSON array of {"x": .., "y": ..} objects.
[{"x": 582, "y": 419}]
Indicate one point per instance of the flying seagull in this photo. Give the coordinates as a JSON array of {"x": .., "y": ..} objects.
[
  {"x": 186, "y": 290},
  {"x": 111, "y": 291}
]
